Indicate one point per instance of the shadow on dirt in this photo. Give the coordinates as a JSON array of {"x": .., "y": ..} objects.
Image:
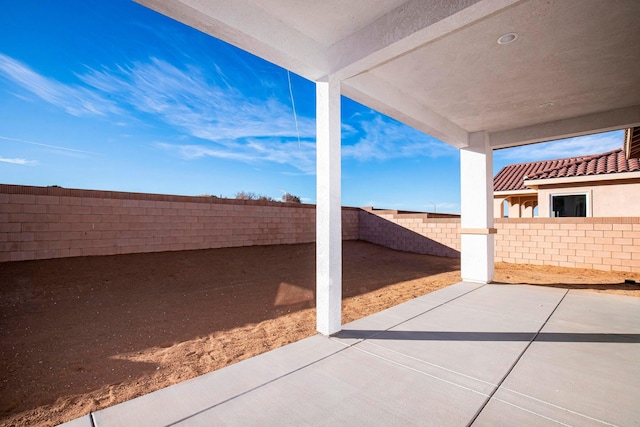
[{"x": 87, "y": 309}]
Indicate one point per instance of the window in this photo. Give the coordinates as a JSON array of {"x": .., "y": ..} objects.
[{"x": 569, "y": 205}]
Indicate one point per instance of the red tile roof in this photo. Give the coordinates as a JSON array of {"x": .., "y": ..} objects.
[{"x": 511, "y": 177}]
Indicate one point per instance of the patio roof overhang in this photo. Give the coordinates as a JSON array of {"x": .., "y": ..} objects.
[
  {"x": 632, "y": 143},
  {"x": 438, "y": 65},
  {"x": 477, "y": 74}
]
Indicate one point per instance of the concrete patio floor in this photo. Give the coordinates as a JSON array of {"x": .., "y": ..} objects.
[{"x": 468, "y": 354}]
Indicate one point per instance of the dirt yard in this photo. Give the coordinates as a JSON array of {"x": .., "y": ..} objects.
[{"x": 82, "y": 334}]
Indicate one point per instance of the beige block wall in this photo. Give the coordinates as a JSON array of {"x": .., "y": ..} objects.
[
  {"x": 46, "y": 222},
  {"x": 42, "y": 222},
  {"x": 610, "y": 244},
  {"x": 411, "y": 232},
  {"x": 614, "y": 199}
]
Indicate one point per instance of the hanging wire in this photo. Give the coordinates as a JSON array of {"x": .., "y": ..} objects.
[{"x": 293, "y": 104}]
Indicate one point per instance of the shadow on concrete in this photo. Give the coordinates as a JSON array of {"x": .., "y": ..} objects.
[
  {"x": 490, "y": 336},
  {"x": 623, "y": 286}
]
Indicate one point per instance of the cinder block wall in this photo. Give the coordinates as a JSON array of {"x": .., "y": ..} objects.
[
  {"x": 411, "y": 232},
  {"x": 610, "y": 244},
  {"x": 49, "y": 222}
]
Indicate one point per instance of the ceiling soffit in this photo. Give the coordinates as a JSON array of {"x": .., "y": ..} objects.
[
  {"x": 561, "y": 65},
  {"x": 341, "y": 19}
]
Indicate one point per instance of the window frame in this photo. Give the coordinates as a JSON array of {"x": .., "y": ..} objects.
[{"x": 586, "y": 194}]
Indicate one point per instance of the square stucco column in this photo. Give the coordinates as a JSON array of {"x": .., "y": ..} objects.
[
  {"x": 514, "y": 207},
  {"x": 328, "y": 210},
  {"x": 476, "y": 223}
]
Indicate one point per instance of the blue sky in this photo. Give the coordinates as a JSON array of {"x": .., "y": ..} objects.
[{"x": 110, "y": 95}]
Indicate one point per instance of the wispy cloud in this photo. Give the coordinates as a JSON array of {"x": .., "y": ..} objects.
[
  {"x": 19, "y": 161},
  {"x": 55, "y": 147},
  {"x": 233, "y": 125},
  {"x": 75, "y": 100},
  {"x": 195, "y": 102},
  {"x": 381, "y": 138},
  {"x": 579, "y": 146},
  {"x": 253, "y": 150},
  {"x": 203, "y": 105},
  {"x": 220, "y": 120}
]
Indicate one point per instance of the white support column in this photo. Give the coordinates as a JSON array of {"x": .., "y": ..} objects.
[
  {"x": 328, "y": 210},
  {"x": 476, "y": 225}
]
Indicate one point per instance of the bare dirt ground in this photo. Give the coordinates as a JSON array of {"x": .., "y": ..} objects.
[{"x": 81, "y": 334}]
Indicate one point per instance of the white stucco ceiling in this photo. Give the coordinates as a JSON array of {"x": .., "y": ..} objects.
[
  {"x": 303, "y": 16},
  {"x": 436, "y": 65}
]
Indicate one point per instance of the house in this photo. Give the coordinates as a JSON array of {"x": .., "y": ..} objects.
[{"x": 599, "y": 185}]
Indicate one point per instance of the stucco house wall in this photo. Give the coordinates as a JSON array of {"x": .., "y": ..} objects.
[
  {"x": 607, "y": 199},
  {"x": 518, "y": 206}
]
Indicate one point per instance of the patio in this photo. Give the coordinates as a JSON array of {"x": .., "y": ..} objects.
[
  {"x": 469, "y": 354},
  {"x": 479, "y": 75}
]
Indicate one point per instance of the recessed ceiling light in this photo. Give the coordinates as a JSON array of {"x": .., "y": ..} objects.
[{"x": 507, "y": 38}]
